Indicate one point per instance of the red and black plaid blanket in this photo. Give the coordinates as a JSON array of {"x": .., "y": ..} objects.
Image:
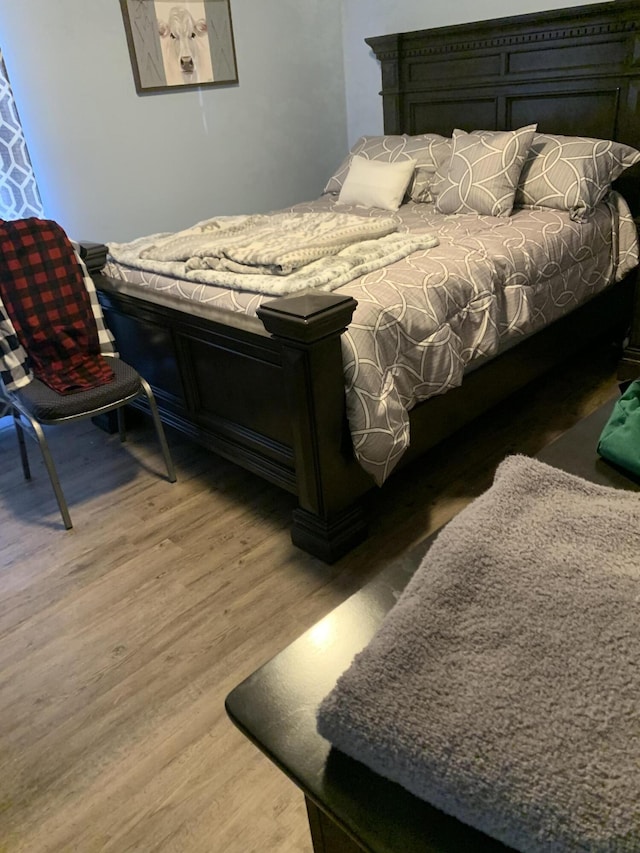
[{"x": 44, "y": 295}]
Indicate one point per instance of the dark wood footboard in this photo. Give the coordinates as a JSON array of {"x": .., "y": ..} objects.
[{"x": 270, "y": 398}]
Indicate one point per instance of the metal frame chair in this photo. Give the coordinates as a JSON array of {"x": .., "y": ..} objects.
[{"x": 36, "y": 405}]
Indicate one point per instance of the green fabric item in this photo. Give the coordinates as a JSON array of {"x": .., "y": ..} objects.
[{"x": 620, "y": 439}]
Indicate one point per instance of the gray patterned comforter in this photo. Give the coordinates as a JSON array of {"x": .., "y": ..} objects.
[{"x": 425, "y": 320}]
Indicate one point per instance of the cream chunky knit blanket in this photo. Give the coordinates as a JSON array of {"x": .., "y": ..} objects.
[{"x": 276, "y": 253}]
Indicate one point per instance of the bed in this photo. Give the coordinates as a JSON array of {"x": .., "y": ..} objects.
[{"x": 261, "y": 380}]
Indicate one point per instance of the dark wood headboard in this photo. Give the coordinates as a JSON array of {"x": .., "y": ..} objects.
[{"x": 573, "y": 71}]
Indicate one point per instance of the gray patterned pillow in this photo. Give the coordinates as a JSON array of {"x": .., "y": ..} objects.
[
  {"x": 390, "y": 149},
  {"x": 483, "y": 172},
  {"x": 571, "y": 173},
  {"x": 426, "y": 175}
]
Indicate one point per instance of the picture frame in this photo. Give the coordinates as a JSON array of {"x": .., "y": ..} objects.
[{"x": 179, "y": 44}]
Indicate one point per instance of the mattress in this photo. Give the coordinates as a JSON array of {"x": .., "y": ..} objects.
[{"x": 422, "y": 322}]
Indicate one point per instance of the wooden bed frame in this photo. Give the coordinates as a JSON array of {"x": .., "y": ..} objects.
[{"x": 268, "y": 393}]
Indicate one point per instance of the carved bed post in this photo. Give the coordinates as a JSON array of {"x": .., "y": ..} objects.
[
  {"x": 94, "y": 256},
  {"x": 329, "y": 520}
]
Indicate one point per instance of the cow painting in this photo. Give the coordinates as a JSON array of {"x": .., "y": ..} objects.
[{"x": 185, "y": 46}]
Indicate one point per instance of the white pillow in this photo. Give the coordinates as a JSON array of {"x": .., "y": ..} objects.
[
  {"x": 372, "y": 183},
  {"x": 426, "y": 149}
]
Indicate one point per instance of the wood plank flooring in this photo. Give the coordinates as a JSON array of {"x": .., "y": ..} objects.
[{"x": 120, "y": 639}]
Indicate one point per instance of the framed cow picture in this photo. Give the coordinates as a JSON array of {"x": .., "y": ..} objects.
[{"x": 179, "y": 44}]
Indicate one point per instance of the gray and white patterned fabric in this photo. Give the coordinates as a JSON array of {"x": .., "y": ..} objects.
[
  {"x": 19, "y": 194},
  {"x": 424, "y": 149},
  {"x": 571, "y": 173},
  {"x": 15, "y": 372},
  {"x": 483, "y": 172},
  {"x": 422, "y": 322}
]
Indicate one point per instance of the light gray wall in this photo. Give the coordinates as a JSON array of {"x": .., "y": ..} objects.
[
  {"x": 363, "y": 18},
  {"x": 113, "y": 165}
]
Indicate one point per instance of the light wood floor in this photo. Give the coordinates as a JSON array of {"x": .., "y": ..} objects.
[{"x": 120, "y": 639}]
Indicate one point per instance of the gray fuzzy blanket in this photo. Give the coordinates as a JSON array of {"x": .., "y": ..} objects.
[{"x": 504, "y": 686}]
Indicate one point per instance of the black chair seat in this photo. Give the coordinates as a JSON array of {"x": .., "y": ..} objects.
[
  {"x": 45, "y": 404},
  {"x": 37, "y": 404}
]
